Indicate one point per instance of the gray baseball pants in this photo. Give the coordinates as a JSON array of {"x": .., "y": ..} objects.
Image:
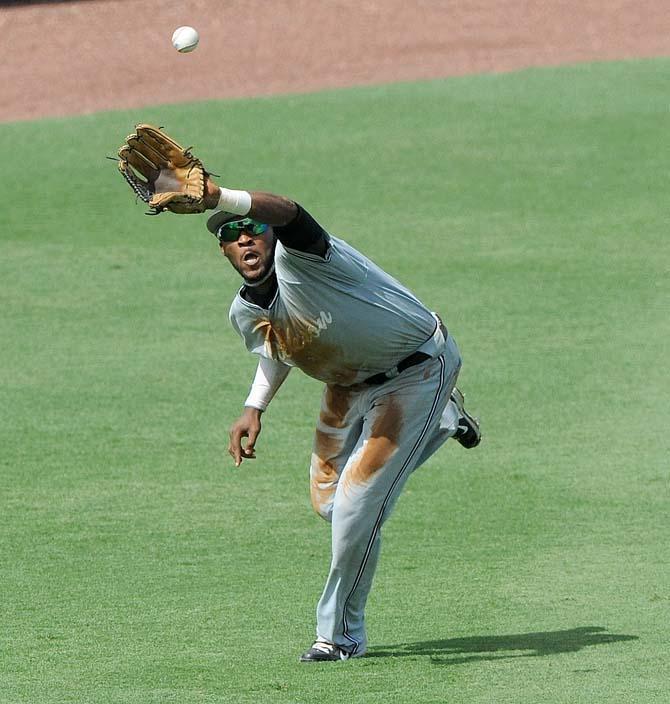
[{"x": 369, "y": 439}]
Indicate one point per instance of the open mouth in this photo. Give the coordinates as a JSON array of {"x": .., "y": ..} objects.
[{"x": 251, "y": 258}]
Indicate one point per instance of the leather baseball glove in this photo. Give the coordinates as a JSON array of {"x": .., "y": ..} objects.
[{"x": 161, "y": 172}]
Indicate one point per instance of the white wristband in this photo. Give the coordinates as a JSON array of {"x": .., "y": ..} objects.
[
  {"x": 236, "y": 202},
  {"x": 270, "y": 375}
]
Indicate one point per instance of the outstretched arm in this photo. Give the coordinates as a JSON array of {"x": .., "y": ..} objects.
[
  {"x": 293, "y": 226},
  {"x": 265, "y": 207}
]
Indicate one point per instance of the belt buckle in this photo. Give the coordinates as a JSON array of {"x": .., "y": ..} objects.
[{"x": 392, "y": 373}]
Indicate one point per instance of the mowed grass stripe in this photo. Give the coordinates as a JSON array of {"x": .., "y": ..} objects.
[{"x": 139, "y": 566}]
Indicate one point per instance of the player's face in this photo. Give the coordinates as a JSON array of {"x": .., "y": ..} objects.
[{"x": 252, "y": 255}]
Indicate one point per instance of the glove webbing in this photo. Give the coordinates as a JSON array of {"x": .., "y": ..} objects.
[{"x": 141, "y": 190}]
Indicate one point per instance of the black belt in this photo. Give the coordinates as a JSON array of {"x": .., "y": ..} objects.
[{"x": 411, "y": 361}]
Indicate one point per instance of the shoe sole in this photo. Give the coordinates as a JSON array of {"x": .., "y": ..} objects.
[{"x": 330, "y": 659}]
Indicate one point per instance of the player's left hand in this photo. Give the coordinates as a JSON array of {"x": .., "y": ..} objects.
[
  {"x": 162, "y": 173},
  {"x": 248, "y": 426}
]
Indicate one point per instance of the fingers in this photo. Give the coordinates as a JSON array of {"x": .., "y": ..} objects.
[
  {"x": 239, "y": 453},
  {"x": 248, "y": 454},
  {"x": 235, "y": 448},
  {"x": 251, "y": 442},
  {"x": 248, "y": 426},
  {"x": 235, "y": 445}
]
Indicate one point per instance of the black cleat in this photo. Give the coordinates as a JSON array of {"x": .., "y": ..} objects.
[
  {"x": 324, "y": 652},
  {"x": 468, "y": 433}
]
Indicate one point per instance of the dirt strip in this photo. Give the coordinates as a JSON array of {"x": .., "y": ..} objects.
[{"x": 80, "y": 57}]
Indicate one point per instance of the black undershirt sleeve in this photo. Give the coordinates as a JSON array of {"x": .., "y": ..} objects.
[{"x": 303, "y": 232}]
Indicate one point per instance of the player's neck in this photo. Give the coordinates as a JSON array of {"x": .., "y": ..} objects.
[{"x": 263, "y": 294}]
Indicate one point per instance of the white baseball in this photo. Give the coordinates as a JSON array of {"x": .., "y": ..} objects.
[{"x": 185, "y": 39}]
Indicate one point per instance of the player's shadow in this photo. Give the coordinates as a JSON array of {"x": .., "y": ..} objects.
[{"x": 457, "y": 651}]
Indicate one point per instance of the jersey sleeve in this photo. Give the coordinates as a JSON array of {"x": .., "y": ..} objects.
[
  {"x": 270, "y": 375},
  {"x": 302, "y": 233}
]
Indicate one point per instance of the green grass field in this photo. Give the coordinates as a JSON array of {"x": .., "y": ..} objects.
[{"x": 140, "y": 567}]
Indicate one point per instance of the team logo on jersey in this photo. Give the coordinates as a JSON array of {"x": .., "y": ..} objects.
[
  {"x": 322, "y": 322},
  {"x": 291, "y": 338}
]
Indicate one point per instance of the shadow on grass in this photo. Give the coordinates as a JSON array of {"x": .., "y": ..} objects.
[{"x": 457, "y": 651}]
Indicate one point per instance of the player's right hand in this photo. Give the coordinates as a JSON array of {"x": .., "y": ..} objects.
[{"x": 248, "y": 425}]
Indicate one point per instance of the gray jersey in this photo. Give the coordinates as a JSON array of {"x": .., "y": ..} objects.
[{"x": 339, "y": 318}]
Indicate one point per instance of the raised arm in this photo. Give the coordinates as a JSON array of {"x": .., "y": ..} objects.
[
  {"x": 293, "y": 226},
  {"x": 265, "y": 207}
]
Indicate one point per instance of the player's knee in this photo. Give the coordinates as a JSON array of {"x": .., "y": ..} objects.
[
  {"x": 322, "y": 504},
  {"x": 326, "y": 512},
  {"x": 322, "y": 485}
]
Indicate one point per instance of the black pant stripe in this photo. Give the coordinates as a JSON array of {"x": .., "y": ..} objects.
[{"x": 377, "y": 524}]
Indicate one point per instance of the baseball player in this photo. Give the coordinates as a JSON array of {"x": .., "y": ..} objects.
[{"x": 310, "y": 300}]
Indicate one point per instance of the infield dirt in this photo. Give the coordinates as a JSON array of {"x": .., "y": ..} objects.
[{"x": 66, "y": 58}]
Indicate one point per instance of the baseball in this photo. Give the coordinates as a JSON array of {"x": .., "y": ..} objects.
[{"x": 185, "y": 39}]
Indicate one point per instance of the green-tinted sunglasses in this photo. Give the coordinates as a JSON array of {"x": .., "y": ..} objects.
[{"x": 230, "y": 231}]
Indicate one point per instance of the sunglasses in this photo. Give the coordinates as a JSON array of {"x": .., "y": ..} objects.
[{"x": 230, "y": 231}]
